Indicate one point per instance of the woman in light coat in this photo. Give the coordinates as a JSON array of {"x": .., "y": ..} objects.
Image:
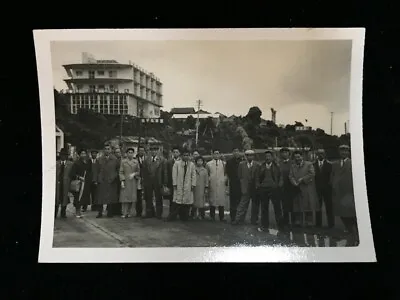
[
  {"x": 201, "y": 189},
  {"x": 128, "y": 175}
]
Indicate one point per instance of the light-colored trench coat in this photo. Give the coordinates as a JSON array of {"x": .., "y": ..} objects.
[
  {"x": 306, "y": 199},
  {"x": 201, "y": 185},
  {"x": 129, "y": 192},
  {"x": 107, "y": 178},
  {"x": 65, "y": 182},
  {"x": 342, "y": 190},
  {"x": 184, "y": 184},
  {"x": 217, "y": 186}
]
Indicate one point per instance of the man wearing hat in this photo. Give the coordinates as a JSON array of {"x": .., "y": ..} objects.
[
  {"x": 94, "y": 164},
  {"x": 63, "y": 180},
  {"x": 152, "y": 173},
  {"x": 232, "y": 167},
  {"x": 247, "y": 172},
  {"x": 286, "y": 187},
  {"x": 343, "y": 194}
]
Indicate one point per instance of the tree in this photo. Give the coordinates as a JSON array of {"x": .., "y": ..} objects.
[
  {"x": 254, "y": 115},
  {"x": 190, "y": 122}
]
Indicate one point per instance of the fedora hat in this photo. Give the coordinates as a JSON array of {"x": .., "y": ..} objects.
[{"x": 63, "y": 151}]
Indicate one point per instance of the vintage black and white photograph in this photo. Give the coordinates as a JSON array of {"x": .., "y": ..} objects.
[{"x": 203, "y": 145}]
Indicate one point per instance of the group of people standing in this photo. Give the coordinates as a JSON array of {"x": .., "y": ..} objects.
[{"x": 296, "y": 188}]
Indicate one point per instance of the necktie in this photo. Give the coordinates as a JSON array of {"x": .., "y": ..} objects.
[
  {"x": 154, "y": 158},
  {"x": 62, "y": 170},
  {"x": 216, "y": 163},
  {"x": 184, "y": 170}
]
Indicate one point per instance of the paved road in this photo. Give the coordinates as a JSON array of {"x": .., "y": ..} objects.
[{"x": 136, "y": 232}]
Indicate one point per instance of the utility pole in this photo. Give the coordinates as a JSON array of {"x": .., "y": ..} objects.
[
  {"x": 331, "y": 122},
  {"x": 199, "y": 103}
]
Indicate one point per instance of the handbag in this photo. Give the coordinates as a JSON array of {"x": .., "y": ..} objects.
[
  {"x": 75, "y": 186},
  {"x": 165, "y": 191}
]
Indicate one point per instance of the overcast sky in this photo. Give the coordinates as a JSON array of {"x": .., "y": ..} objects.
[{"x": 300, "y": 79}]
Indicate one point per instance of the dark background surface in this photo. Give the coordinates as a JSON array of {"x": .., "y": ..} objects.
[{"x": 21, "y": 163}]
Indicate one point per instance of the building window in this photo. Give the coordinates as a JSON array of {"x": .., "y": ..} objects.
[
  {"x": 101, "y": 87},
  {"x": 92, "y": 88},
  {"x": 79, "y": 87},
  {"x": 156, "y": 111},
  {"x": 111, "y": 88},
  {"x": 113, "y": 104},
  {"x": 91, "y": 74},
  {"x": 93, "y": 103},
  {"x": 101, "y": 73},
  {"x": 112, "y": 74},
  {"x": 78, "y": 73},
  {"x": 103, "y": 104},
  {"x": 123, "y": 104}
]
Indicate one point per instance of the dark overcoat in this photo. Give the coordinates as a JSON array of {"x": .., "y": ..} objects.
[
  {"x": 107, "y": 178},
  {"x": 63, "y": 184},
  {"x": 342, "y": 190}
]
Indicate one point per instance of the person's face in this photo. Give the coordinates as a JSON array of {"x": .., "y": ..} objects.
[
  {"x": 250, "y": 157},
  {"x": 199, "y": 162},
  {"x": 141, "y": 151},
  {"x": 196, "y": 154},
  {"x": 236, "y": 153},
  {"x": 94, "y": 155},
  {"x": 298, "y": 157},
  {"x": 130, "y": 154},
  {"x": 176, "y": 153},
  {"x": 344, "y": 153},
  {"x": 117, "y": 152},
  {"x": 321, "y": 155},
  {"x": 185, "y": 157},
  {"x": 268, "y": 157},
  {"x": 154, "y": 152},
  {"x": 107, "y": 150},
  {"x": 217, "y": 155},
  {"x": 83, "y": 155},
  {"x": 285, "y": 155}
]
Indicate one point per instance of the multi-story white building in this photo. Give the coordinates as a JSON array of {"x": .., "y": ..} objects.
[{"x": 113, "y": 88}]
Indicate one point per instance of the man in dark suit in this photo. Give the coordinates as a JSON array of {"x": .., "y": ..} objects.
[
  {"x": 323, "y": 170},
  {"x": 247, "y": 171},
  {"x": 232, "y": 167},
  {"x": 94, "y": 165},
  {"x": 152, "y": 167},
  {"x": 267, "y": 184},
  {"x": 139, "y": 203}
]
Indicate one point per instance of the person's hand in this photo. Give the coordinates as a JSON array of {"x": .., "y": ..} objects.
[
  {"x": 122, "y": 184},
  {"x": 81, "y": 178},
  {"x": 206, "y": 191}
]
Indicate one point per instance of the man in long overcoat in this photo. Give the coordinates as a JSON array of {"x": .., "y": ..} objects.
[
  {"x": 302, "y": 176},
  {"x": 184, "y": 182},
  {"x": 94, "y": 164},
  {"x": 167, "y": 179},
  {"x": 232, "y": 167},
  {"x": 217, "y": 188},
  {"x": 139, "y": 203},
  {"x": 63, "y": 181},
  {"x": 286, "y": 187},
  {"x": 343, "y": 193},
  {"x": 107, "y": 179}
]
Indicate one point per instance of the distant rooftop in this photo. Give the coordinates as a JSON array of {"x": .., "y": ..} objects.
[{"x": 183, "y": 110}]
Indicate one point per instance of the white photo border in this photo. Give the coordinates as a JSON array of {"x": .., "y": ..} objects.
[{"x": 365, "y": 252}]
